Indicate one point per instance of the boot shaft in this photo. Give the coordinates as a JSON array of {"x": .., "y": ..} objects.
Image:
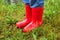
[
  {"x": 28, "y": 11},
  {"x": 37, "y": 13}
]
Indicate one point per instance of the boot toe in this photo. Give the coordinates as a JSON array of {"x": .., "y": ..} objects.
[
  {"x": 17, "y": 24},
  {"x": 24, "y": 30}
]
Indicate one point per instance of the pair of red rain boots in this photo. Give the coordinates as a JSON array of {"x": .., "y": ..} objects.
[{"x": 33, "y": 19}]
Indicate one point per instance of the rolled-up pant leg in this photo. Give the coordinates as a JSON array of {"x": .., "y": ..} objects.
[{"x": 34, "y": 3}]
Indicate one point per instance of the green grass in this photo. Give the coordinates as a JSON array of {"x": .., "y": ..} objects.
[{"x": 10, "y": 14}]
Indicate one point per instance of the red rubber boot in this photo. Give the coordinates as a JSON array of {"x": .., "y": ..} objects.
[
  {"x": 28, "y": 18},
  {"x": 36, "y": 19}
]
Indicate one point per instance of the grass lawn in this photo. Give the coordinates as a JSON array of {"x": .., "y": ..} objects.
[{"x": 10, "y": 14}]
